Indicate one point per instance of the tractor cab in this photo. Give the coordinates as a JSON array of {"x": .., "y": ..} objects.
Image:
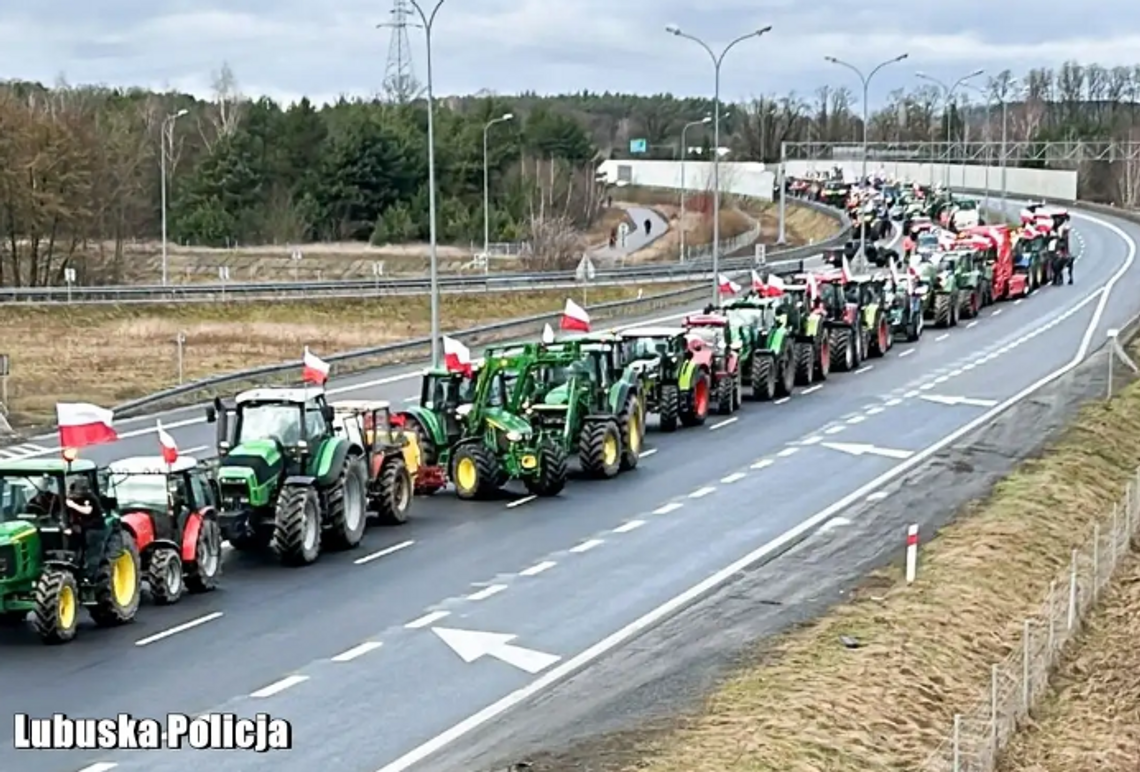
[
  {"x": 649, "y": 343},
  {"x": 165, "y": 493}
]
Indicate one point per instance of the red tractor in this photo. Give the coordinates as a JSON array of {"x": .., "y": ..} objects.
[
  {"x": 712, "y": 347},
  {"x": 995, "y": 243},
  {"x": 171, "y": 511}
]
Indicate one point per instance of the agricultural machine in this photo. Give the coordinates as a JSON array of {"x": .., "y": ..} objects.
[
  {"x": 939, "y": 287},
  {"x": 287, "y": 481},
  {"x": 675, "y": 386},
  {"x": 391, "y": 455},
  {"x": 714, "y": 347},
  {"x": 903, "y": 301},
  {"x": 171, "y": 511},
  {"x": 805, "y": 318},
  {"x": 43, "y": 551},
  {"x": 994, "y": 247},
  {"x": 768, "y": 363},
  {"x": 973, "y": 277}
]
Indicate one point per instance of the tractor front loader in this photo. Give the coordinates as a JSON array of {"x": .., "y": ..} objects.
[{"x": 288, "y": 482}]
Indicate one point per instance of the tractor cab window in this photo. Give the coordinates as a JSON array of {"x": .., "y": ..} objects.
[
  {"x": 201, "y": 492},
  {"x": 316, "y": 427},
  {"x": 646, "y": 348},
  {"x": 710, "y": 336},
  {"x": 500, "y": 387},
  {"x": 869, "y": 293},
  {"x": 947, "y": 264},
  {"x": 138, "y": 490},
  {"x": 852, "y": 292},
  {"x": 926, "y": 241},
  {"x": 270, "y": 420},
  {"x": 17, "y": 494}
]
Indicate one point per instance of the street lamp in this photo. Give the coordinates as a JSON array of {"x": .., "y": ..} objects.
[
  {"x": 948, "y": 92},
  {"x": 433, "y": 251},
  {"x": 988, "y": 137},
  {"x": 685, "y": 152},
  {"x": 487, "y": 190},
  {"x": 866, "y": 80},
  {"x": 1004, "y": 97},
  {"x": 166, "y": 132},
  {"x": 676, "y": 31}
]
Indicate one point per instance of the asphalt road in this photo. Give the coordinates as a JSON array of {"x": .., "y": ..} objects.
[
  {"x": 637, "y": 238},
  {"x": 366, "y": 657}
]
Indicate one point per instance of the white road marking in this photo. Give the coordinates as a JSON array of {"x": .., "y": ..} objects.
[
  {"x": 763, "y": 463},
  {"x": 894, "y": 401},
  {"x": 411, "y": 399},
  {"x": 288, "y": 682},
  {"x": 384, "y": 552},
  {"x": 814, "y": 440},
  {"x": 997, "y": 312},
  {"x": 788, "y": 452},
  {"x": 357, "y": 651},
  {"x": 179, "y": 629},
  {"x": 100, "y": 766},
  {"x": 926, "y": 386},
  {"x": 520, "y": 502},
  {"x": 586, "y": 546},
  {"x": 856, "y": 419},
  {"x": 648, "y": 452},
  {"x": 781, "y": 400},
  {"x": 734, "y": 477},
  {"x": 942, "y": 337},
  {"x": 834, "y": 429},
  {"x": 865, "y": 369},
  {"x": 835, "y": 522},
  {"x": 487, "y": 592},
  {"x": 725, "y": 422},
  {"x": 942, "y": 379},
  {"x": 911, "y": 394},
  {"x": 729, "y": 572},
  {"x": 538, "y": 568},
  {"x": 812, "y": 389},
  {"x": 700, "y": 493},
  {"x": 665, "y": 509},
  {"x": 908, "y": 352},
  {"x": 632, "y": 525},
  {"x": 972, "y": 324},
  {"x": 955, "y": 373},
  {"x": 875, "y": 410},
  {"x": 1018, "y": 301},
  {"x": 427, "y": 619},
  {"x": 878, "y": 496}
]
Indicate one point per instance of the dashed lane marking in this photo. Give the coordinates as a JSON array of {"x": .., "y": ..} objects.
[
  {"x": 700, "y": 493},
  {"x": 288, "y": 682},
  {"x": 538, "y": 568},
  {"x": 384, "y": 552},
  {"x": 734, "y": 477},
  {"x": 586, "y": 546},
  {"x": 357, "y": 651},
  {"x": 632, "y": 525},
  {"x": 179, "y": 629},
  {"x": 427, "y": 619},
  {"x": 665, "y": 509},
  {"x": 487, "y": 592}
]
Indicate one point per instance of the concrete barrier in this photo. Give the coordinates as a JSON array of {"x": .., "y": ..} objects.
[{"x": 757, "y": 179}]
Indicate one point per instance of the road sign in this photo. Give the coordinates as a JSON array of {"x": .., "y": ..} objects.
[
  {"x": 378, "y": 268},
  {"x": 471, "y": 645},
  {"x": 638, "y": 145},
  {"x": 296, "y": 256},
  {"x": 623, "y": 232},
  {"x": 585, "y": 271},
  {"x": 69, "y": 275},
  {"x": 224, "y": 272}
]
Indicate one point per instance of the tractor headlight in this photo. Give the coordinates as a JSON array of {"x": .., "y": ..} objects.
[{"x": 514, "y": 437}]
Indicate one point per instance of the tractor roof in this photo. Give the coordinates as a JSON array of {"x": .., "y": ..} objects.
[
  {"x": 353, "y": 405},
  {"x": 291, "y": 395},
  {"x": 706, "y": 320},
  {"x": 46, "y": 466},
  {"x": 652, "y": 332},
  {"x": 152, "y": 465}
]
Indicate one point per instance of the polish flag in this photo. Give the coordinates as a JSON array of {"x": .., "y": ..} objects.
[
  {"x": 548, "y": 334},
  {"x": 894, "y": 273},
  {"x": 845, "y": 269},
  {"x": 168, "y": 445},
  {"x": 812, "y": 287},
  {"x": 82, "y": 424},
  {"x": 758, "y": 284},
  {"x": 727, "y": 286},
  {"x": 574, "y": 317},
  {"x": 456, "y": 356},
  {"x": 314, "y": 369},
  {"x": 775, "y": 287}
]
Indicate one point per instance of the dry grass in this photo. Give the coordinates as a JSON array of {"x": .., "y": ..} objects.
[
  {"x": 812, "y": 705},
  {"x": 108, "y": 354},
  {"x": 1091, "y": 720}
]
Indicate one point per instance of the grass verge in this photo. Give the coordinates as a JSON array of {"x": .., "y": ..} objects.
[
  {"x": 806, "y": 703},
  {"x": 109, "y": 354}
]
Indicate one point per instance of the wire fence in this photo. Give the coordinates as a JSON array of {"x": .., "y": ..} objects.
[{"x": 979, "y": 735}]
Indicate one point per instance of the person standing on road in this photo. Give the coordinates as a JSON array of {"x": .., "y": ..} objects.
[{"x": 648, "y": 226}]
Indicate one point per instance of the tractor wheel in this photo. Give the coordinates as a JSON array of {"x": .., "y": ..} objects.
[
  {"x": 698, "y": 410},
  {"x": 474, "y": 471},
  {"x": 914, "y": 328},
  {"x": 843, "y": 348},
  {"x": 669, "y": 407},
  {"x": 954, "y": 313},
  {"x": 942, "y": 311},
  {"x": 117, "y": 588},
  {"x": 428, "y": 451},
  {"x": 725, "y": 394},
  {"x": 347, "y": 502},
  {"x": 599, "y": 449},
  {"x": 56, "y": 616},
  {"x": 552, "y": 472},
  {"x": 202, "y": 574},
  {"x": 973, "y": 305},
  {"x": 165, "y": 577},
  {"x": 393, "y": 492},
  {"x": 297, "y": 525},
  {"x": 822, "y": 349},
  {"x": 786, "y": 380},
  {"x": 763, "y": 377},
  {"x": 881, "y": 341},
  {"x": 805, "y": 363},
  {"x": 631, "y": 433}
]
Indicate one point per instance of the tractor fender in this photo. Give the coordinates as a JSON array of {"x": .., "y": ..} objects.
[
  {"x": 141, "y": 528},
  {"x": 430, "y": 422},
  {"x": 299, "y": 480},
  {"x": 61, "y": 565},
  {"x": 190, "y": 533},
  {"x": 731, "y": 363},
  {"x": 331, "y": 462},
  {"x": 776, "y": 339},
  {"x": 619, "y": 393}
]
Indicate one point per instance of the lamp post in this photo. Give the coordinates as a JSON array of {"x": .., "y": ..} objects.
[
  {"x": 685, "y": 152},
  {"x": 433, "y": 251},
  {"x": 948, "y": 94},
  {"x": 673, "y": 29},
  {"x": 866, "y": 81},
  {"x": 988, "y": 137},
  {"x": 1004, "y": 97},
  {"x": 487, "y": 189},
  {"x": 167, "y": 135}
]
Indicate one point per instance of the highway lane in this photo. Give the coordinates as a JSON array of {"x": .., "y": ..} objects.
[{"x": 499, "y": 547}]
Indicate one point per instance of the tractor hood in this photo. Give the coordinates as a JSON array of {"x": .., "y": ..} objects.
[
  {"x": 14, "y": 531},
  {"x": 559, "y": 395},
  {"x": 257, "y": 459},
  {"x": 507, "y": 422}
]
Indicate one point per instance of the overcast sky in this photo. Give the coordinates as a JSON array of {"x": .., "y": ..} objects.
[{"x": 323, "y": 48}]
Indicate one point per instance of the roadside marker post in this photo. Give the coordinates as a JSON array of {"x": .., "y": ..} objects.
[{"x": 911, "y": 553}]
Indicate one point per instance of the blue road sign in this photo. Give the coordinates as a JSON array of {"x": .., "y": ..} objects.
[{"x": 638, "y": 146}]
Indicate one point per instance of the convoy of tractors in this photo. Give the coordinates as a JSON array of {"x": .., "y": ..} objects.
[{"x": 296, "y": 475}]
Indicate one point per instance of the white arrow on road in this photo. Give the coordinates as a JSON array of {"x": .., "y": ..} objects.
[
  {"x": 944, "y": 400},
  {"x": 862, "y": 449},
  {"x": 471, "y": 645}
]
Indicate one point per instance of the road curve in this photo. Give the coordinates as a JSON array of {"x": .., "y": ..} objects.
[
  {"x": 572, "y": 577},
  {"x": 637, "y": 238}
]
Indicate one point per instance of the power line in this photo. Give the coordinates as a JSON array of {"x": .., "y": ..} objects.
[{"x": 400, "y": 84}]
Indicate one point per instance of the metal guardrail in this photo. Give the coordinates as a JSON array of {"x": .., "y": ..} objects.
[{"x": 212, "y": 292}]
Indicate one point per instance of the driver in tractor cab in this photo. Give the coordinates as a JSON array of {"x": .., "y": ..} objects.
[
  {"x": 46, "y": 500},
  {"x": 87, "y": 514},
  {"x": 176, "y": 495}
]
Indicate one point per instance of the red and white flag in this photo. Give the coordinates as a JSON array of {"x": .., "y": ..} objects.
[
  {"x": 548, "y": 334},
  {"x": 758, "y": 284},
  {"x": 456, "y": 356},
  {"x": 775, "y": 287},
  {"x": 727, "y": 286},
  {"x": 82, "y": 424},
  {"x": 167, "y": 444},
  {"x": 574, "y": 317},
  {"x": 845, "y": 269},
  {"x": 314, "y": 369},
  {"x": 812, "y": 287},
  {"x": 894, "y": 273}
]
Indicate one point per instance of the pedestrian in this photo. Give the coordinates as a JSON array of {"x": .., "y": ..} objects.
[
  {"x": 613, "y": 237},
  {"x": 648, "y": 226},
  {"x": 87, "y": 514}
]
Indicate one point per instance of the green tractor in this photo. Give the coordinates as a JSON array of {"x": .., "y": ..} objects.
[
  {"x": 939, "y": 283},
  {"x": 768, "y": 362},
  {"x": 805, "y": 318},
  {"x": 287, "y": 481},
  {"x": 469, "y": 434},
  {"x": 577, "y": 390},
  {"x": 42, "y": 553},
  {"x": 974, "y": 280},
  {"x": 674, "y": 385},
  {"x": 903, "y": 302}
]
